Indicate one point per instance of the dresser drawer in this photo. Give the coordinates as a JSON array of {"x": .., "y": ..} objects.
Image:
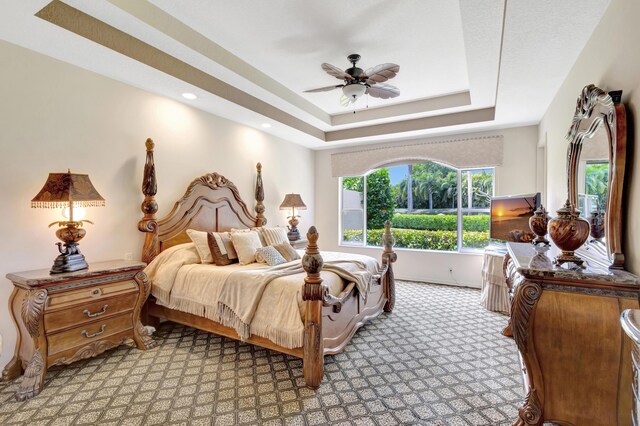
[
  {"x": 87, "y": 295},
  {"x": 88, "y": 333},
  {"x": 80, "y": 314}
]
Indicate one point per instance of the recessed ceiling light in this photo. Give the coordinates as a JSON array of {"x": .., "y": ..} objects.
[
  {"x": 189, "y": 96},
  {"x": 266, "y": 125}
]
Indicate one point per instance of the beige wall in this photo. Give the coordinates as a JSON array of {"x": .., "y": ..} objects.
[
  {"x": 611, "y": 61},
  {"x": 56, "y": 116},
  {"x": 517, "y": 175}
]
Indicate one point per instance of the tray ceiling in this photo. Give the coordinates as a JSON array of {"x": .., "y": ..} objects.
[{"x": 464, "y": 65}]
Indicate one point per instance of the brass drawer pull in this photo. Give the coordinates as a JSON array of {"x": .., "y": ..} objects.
[
  {"x": 86, "y": 334},
  {"x": 95, "y": 314}
]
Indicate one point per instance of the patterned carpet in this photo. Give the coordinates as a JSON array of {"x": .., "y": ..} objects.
[{"x": 439, "y": 359}]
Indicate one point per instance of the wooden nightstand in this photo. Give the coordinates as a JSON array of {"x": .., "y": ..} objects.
[
  {"x": 300, "y": 244},
  {"x": 72, "y": 316}
]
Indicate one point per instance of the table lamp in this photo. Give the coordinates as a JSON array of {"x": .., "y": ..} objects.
[
  {"x": 293, "y": 201},
  {"x": 68, "y": 190}
]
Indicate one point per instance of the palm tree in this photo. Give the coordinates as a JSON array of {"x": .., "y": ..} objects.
[
  {"x": 482, "y": 189},
  {"x": 401, "y": 193},
  {"x": 449, "y": 188},
  {"x": 427, "y": 185}
]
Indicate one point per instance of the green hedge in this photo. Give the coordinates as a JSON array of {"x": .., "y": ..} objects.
[
  {"x": 441, "y": 222},
  {"x": 422, "y": 239}
]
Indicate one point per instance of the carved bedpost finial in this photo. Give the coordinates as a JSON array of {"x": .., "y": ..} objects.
[
  {"x": 312, "y": 237},
  {"x": 260, "y": 219},
  {"x": 388, "y": 258},
  {"x": 149, "y": 184},
  {"x": 387, "y": 238},
  {"x": 312, "y": 263},
  {"x": 149, "y": 207}
]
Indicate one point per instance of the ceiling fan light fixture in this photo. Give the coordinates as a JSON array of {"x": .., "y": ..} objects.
[{"x": 354, "y": 90}]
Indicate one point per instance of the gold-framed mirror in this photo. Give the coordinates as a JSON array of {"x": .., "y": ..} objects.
[{"x": 596, "y": 159}]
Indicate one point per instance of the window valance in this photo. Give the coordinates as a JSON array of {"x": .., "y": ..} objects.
[{"x": 459, "y": 153}]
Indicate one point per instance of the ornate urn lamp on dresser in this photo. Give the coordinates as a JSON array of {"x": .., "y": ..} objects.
[
  {"x": 73, "y": 311},
  {"x": 566, "y": 301}
]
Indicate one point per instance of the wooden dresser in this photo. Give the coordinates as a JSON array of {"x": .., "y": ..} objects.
[
  {"x": 575, "y": 359},
  {"x": 67, "y": 317},
  {"x": 630, "y": 321}
]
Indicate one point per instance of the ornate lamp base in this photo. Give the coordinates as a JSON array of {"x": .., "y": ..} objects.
[
  {"x": 293, "y": 234},
  {"x": 68, "y": 263},
  {"x": 70, "y": 258}
]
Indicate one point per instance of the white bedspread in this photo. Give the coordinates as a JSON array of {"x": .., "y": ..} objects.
[{"x": 180, "y": 282}]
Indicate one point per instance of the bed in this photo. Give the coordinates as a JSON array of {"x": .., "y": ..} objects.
[{"x": 330, "y": 313}]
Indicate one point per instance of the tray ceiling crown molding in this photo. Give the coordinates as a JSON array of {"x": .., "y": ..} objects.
[{"x": 464, "y": 65}]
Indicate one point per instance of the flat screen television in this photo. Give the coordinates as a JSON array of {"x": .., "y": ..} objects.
[{"x": 510, "y": 217}]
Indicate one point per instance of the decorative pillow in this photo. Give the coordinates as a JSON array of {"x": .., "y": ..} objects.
[
  {"x": 221, "y": 248},
  {"x": 286, "y": 251},
  {"x": 199, "y": 239},
  {"x": 246, "y": 244},
  {"x": 270, "y": 256},
  {"x": 254, "y": 229},
  {"x": 275, "y": 235}
]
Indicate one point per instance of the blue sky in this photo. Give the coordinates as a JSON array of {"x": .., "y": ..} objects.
[{"x": 397, "y": 173}]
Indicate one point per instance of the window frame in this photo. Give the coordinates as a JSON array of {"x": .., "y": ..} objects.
[{"x": 460, "y": 211}]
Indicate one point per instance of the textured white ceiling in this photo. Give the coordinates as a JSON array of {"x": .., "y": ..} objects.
[
  {"x": 542, "y": 40},
  {"x": 289, "y": 39},
  {"x": 274, "y": 50}
]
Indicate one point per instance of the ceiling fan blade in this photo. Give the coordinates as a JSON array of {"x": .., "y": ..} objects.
[
  {"x": 336, "y": 72},
  {"x": 381, "y": 73},
  {"x": 323, "y": 89},
  {"x": 383, "y": 91}
]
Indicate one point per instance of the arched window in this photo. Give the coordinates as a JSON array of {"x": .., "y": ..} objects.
[{"x": 431, "y": 206}]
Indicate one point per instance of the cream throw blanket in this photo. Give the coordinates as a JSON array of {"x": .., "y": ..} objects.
[
  {"x": 180, "y": 282},
  {"x": 242, "y": 290}
]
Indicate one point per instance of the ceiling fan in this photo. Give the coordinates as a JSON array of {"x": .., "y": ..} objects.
[{"x": 358, "y": 82}]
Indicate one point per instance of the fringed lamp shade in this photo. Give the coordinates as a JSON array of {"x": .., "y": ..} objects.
[
  {"x": 291, "y": 201},
  {"x": 61, "y": 189},
  {"x": 71, "y": 190}
]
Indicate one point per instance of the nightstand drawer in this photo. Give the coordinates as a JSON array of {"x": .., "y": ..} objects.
[
  {"x": 63, "y": 318},
  {"x": 87, "y": 312},
  {"x": 87, "y": 333},
  {"x": 91, "y": 294}
]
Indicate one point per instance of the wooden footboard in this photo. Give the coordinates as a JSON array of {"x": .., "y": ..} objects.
[
  {"x": 212, "y": 203},
  {"x": 331, "y": 321}
]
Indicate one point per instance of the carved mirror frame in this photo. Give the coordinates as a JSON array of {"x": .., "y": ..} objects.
[{"x": 596, "y": 108}]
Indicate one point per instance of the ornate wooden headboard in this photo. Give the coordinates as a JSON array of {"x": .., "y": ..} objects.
[{"x": 210, "y": 203}]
